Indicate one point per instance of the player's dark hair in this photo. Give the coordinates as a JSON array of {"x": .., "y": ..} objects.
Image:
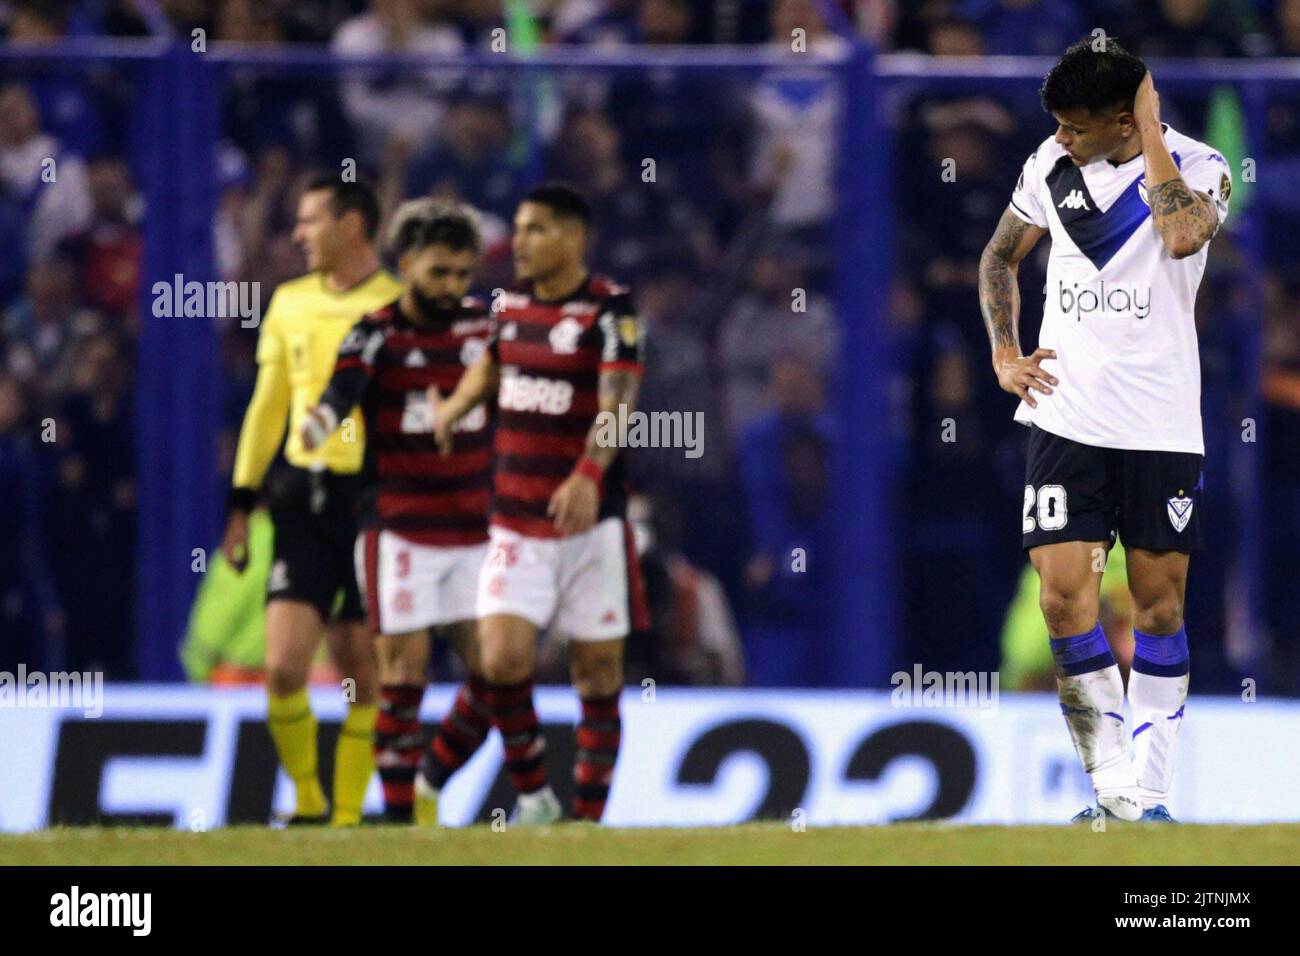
[
  {"x": 1097, "y": 74},
  {"x": 564, "y": 201},
  {"x": 346, "y": 197},
  {"x": 420, "y": 223}
]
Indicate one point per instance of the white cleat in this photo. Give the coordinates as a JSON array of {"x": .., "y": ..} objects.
[
  {"x": 1123, "y": 802},
  {"x": 538, "y": 809}
]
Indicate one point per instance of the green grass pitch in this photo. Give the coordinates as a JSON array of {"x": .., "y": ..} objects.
[{"x": 756, "y": 843}]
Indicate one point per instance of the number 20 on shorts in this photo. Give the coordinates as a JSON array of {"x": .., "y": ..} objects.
[{"x": 1049, "y": 503}]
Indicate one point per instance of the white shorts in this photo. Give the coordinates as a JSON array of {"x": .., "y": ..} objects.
[
  {"x": 408, "y": 587},
  {"x": 576, "y": 585}
]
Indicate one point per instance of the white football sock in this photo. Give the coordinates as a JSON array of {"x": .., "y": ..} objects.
[
  {"x": 541, "y": 795},
  {"x": 1091, "y": 692},
  {"x": 1093, "y": 705},
  {"x": 1157, "y": 701}
]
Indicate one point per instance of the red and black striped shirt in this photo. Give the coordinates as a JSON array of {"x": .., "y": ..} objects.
[
  {"x": 551, "y": 355},
  {"x": 385, "y": 365}
]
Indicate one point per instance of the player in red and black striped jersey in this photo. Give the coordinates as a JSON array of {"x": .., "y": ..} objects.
[
  {"x": 386, "y": 365},
  {"x": 552, "y": 354},
  {"x": 565, "y": 365},
  {"x": 425, "y": 514}
]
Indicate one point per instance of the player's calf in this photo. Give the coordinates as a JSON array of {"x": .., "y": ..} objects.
[
  {"x": 1158, "y": 683},
  {"x": 461, "y": 732},
  {"x": 459, "y": 736},
  {"x": 599, "y": 735},
  {"x": 596, "y": 668},
  {"x": 403, "y": 662},
  {"x": 354, "y": 759},
  {"x": 293, "y": 632},
  {"x": 1157, "y": 693},
  {"x": 506, "y": 648},
  {"x": 397, "y": 747},
  {"x": 1092, "y": 701}
]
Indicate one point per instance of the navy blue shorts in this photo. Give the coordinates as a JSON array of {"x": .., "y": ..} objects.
[{"x": 1077, "y": 492}]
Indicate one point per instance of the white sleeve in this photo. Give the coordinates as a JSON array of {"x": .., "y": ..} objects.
[
  {"x": 1025, "y": 201},
  {"x": 1207, "y": 172}
]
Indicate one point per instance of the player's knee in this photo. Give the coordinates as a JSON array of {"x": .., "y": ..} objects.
[
  {"x": 506, "y": 649},
  {"x": 400, "y": 672},
  {"x": 365, "y": 687},
  {"x": 282, "y": 680},
  {"x": 1161, "y": 615},
  {"x": 506, "y": 662},
  {"x": 1067, "y": 613},
  {"x": 601, "y": 684},
  {"x": 595, "y": 674},
  {"x": 402, "y": 660}
]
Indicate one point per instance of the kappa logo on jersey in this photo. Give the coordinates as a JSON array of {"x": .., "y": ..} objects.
[
  {"x": 471, "y": 351},
  {"x": 527, "y": 393},
  {"x": 1074, "y": 200},
  {"x": 1180, "y": 512},
  {"x": 415, "y": 359},
  {"x": 564, "y": 336}
]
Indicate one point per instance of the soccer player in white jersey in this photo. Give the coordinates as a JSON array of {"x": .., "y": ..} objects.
[{"x": 1112, "y": 399}]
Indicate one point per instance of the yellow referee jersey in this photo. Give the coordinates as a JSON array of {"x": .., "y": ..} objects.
[{"x": 303, "y": 327}]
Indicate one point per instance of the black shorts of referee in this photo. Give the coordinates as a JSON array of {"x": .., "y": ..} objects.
[{"x": 314, "y": 514}]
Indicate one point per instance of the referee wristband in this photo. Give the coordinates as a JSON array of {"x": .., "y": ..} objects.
[
  {"x": 592, "y": 470},
  {"x": 242, "y": 499}
]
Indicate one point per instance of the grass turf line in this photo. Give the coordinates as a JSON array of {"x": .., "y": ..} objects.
[{"x": 754, "y": 843}]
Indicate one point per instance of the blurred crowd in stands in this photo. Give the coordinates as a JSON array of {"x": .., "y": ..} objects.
[
  {"x": 953, "y": 27},
  {"x": 730, "y": 221}
]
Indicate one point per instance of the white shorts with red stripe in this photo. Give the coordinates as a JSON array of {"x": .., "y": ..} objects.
[
  {"x": 578, "y": 585},
  {"x": 409, "y": 587}
]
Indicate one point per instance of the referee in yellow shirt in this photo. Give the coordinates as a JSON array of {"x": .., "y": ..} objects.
[{"x": 312, "y": 588}]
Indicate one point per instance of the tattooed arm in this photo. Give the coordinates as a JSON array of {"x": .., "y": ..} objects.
[
  {"x": 576, "y": 503},
  {"x": 617, "y": 388},
  {"x": 1000, "y": 306},
  {"x": 1185, "y": 219}
]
